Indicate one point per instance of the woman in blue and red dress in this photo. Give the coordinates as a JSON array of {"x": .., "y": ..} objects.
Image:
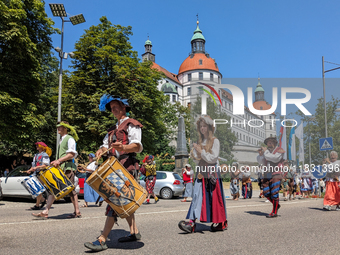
[{"x": 208, "y": 203}]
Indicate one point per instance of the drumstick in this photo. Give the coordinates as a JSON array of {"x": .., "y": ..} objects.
[{"x": 97, "y": 160}]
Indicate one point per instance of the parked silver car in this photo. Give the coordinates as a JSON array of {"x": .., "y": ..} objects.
[
  {"x": 11, "y": 185},
  {"x": 168, "y": 184}
]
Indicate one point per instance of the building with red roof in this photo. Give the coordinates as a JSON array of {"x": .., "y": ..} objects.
[{"x": 184, "y": 87}]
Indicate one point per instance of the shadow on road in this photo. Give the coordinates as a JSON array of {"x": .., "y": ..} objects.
[
  {"x": 113, "y": 243},
  {"x": 258, "y": 213},
  {"x": 315, "y": 208}
]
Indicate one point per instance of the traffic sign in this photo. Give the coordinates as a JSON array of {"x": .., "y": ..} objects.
[
  {"x": 318, "y": 173},
  {"x": 326, "y": 143}
]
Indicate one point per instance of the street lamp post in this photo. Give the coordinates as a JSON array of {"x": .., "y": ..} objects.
[
  {"x": 58, "y": 10},
  {"x": 324, "y": 91},
  {"x": 309, "y": 137}
]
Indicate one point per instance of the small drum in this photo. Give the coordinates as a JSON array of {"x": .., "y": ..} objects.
[
  {"x": 33, "y": 186},
  {"x": 56, "y": 181},
  {"x": 118, "y": 187}
]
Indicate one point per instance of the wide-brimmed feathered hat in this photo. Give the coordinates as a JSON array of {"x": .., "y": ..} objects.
[
  {"x": 106, "y": 99},
  {"x": 72, "y": 130}
]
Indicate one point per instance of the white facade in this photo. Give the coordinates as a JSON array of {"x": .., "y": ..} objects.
[{"x": 250, "y": 129}]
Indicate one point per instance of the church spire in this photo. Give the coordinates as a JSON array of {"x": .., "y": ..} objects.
[{"x": 259, "y": 92}]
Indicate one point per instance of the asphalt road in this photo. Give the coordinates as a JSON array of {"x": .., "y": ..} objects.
[{"x": 302, "y": 228}]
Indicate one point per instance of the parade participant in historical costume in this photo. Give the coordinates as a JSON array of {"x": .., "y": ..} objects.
[
  {"x": 271, "y": 157},
  {"x": 125, "y": 139},
  {"x": 90, "y": 195},
  {"x": 65, "y": 155},
  {"x": 332, "y": 194},
  {"x": 247, "y": 188},
  {"x": 40, "y": 160},
  {"x": 290, "y": 177},
  {"x": 285, "y": 180},
  {"x": 260, "y": 180},
  {"x": 149, "y": 170},
  {"x": 234, "y": 181},
  {"x": 306, "y": 183},
  {"x": 208, "y": 203},
  {"x": 188, "y": 173}
]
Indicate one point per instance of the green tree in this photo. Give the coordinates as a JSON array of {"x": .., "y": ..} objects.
[
  {"x": 315, "y": 129},
  {"x": 105, "y": 63},
  {"x": 25, "y": 45}
]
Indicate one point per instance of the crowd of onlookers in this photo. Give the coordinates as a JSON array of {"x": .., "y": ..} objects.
[{"x": 15, "y": 163}]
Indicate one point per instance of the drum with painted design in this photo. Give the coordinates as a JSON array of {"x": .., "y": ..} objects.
[
  {"x": 33, "y": 186},
  {"x": 56, "y": 182},
  {"x": 118, "y": 187}
]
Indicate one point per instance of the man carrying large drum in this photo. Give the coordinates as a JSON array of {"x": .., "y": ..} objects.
[
  {"x": 66, "y": 152},
  {"x": 124, "y": 141}
]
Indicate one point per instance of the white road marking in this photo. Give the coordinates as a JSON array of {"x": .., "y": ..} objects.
[{"x": 146, "y": 213}]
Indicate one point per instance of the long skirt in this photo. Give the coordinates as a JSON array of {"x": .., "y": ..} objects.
[
  {"x": 306, "y": 185},
  {"x": 247, "y": 190},
  {"x": 234, "y": 187},
  {"x": 332, "y": 195},
  {"x": 189, "y": 189},
  {"x": 89, "y": 194},
  {"x": 208, "y": 202}
]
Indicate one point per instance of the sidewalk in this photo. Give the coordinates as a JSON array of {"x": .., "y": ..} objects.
[{"x": 227, "y": 194}]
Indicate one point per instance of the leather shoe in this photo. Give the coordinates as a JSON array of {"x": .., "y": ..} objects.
[
  {"x": 186, "y": 226},
  {"x": 130, "y": 238},
  {"x": 272, "y": 215},
  {"x": 96, "y": 246}
]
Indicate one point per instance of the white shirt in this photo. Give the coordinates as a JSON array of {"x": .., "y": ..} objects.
[
  {"x": 71, "y": 144},
  {"x": 335, "y": 166},
  {"x": 267, "y": 155},
  {"x": 45, "y": 159},
  {"x": 210, "y": 158},
  {"x": 92, "y": 166},
  {"x": 134, "y": 136}
]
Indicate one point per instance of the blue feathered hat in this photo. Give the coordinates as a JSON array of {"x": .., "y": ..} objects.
[{"x": 106, "y": 99}]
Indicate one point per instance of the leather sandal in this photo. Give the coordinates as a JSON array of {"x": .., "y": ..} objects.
[{"x": 74, "y": 215}]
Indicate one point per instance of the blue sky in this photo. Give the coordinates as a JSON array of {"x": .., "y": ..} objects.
[{"x": 272, "y": 39}]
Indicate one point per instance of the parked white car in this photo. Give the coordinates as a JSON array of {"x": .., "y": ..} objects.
[
  {"x": 11, "y": 185},
  {"x": 168, "y": 184}
]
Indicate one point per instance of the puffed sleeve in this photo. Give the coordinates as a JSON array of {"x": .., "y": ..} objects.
[
  {"x": 211, "y": 158},
  {"x": 275, "y": 158},
  {"x": 92, "y": 166},
  {"x": 71, "y": 143},
  {"x": 135, "y": 136},
  {"x": 105, "y": 142},
  {"x": 46, "y": 159}
]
